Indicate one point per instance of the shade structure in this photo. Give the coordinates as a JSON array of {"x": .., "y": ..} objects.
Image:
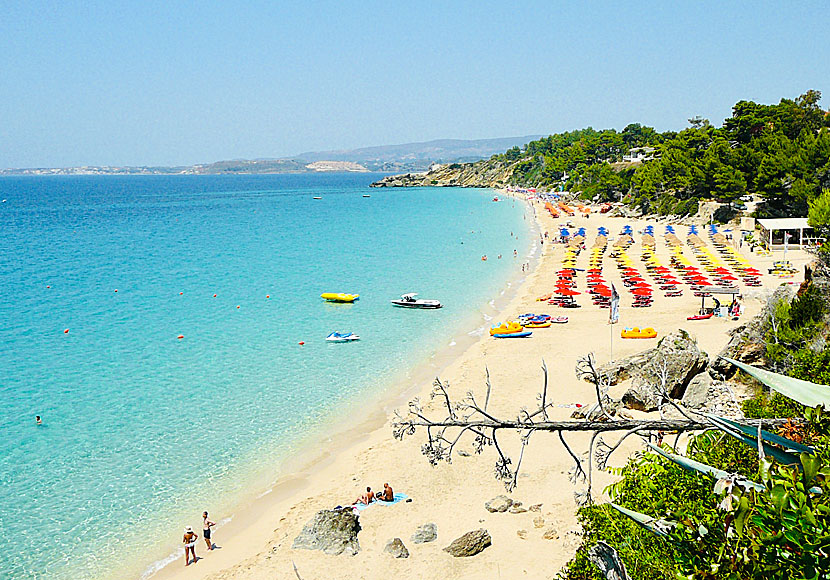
[
  {"x": 603, "y": 291},
  {"x": 567, "y": 292},
  {"x": 594, "y": 270},
  {"x": 729, "y": 278},
  {"x": 641, "y": 291},
  {"x": 567, "y": 273},
  {"x": 635, "y": 279}
]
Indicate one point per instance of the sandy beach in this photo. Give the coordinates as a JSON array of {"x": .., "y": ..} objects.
[{"x": 256, "y": 543}]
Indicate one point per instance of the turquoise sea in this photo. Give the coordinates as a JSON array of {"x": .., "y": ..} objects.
[{"x": 142, "y": 431}]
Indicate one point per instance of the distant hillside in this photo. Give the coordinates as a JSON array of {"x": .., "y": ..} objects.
[
  {"x": 386, "y": 158},
  {"x": 418, "y": 156}
]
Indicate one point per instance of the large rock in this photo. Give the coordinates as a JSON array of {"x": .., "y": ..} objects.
[
  {"x": 748, "y": 341},
  {"x": 332, "y": 531},
  {"x": 675, "y": 360},
  {"x": 396, "y": 547},
  {"x": 500, "y": 503},
  {"x": 469, "y": 544},
  {"x": 425, "y": 533},
  {"x": 697, "y": 391},
  {"x": 642, "y": 397}
]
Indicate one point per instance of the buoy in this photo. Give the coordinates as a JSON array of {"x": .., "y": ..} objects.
[
  {"x": 181, "y": 336},
  {"x": 267, "y": 295},
  {"x": 302, "y": 342},
  {"x": 214, "y": 295},
  {"x": 237, "y": 305},
  {"x": 66, "y": 331},
  {"x": 181, "y": 293},
  {"x": 116, "y": 289},
  {"x": 48, "y": 286}
]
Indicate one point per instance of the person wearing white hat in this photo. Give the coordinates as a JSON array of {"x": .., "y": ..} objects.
[{"x": 189, "y": 541}]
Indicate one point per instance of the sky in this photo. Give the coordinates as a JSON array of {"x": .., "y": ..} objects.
[{"x": 173, "y": 83}]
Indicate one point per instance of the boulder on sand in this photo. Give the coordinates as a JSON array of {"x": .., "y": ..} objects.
[
  {"x": 425, "y": 533},
  {"x": 396, "y": 547},
  {"x": 676, "y": 360},
  {"x": 469, "y": 544},
  {"x": 500, "y": 503},
  {"x": 332, "y": 531}
]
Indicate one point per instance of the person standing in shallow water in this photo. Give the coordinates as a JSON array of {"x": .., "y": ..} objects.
[{"x": 206, "y": 530}]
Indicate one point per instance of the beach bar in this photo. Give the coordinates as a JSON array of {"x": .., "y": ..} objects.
[{"x": 774, "y": 230}]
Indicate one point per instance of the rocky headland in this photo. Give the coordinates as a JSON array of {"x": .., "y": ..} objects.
[{"x": 487, "y": 173}]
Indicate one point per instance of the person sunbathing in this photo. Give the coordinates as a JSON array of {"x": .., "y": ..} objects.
[
  {"x": 387, "y": 494},
  {"x": 367, "y": 497}
]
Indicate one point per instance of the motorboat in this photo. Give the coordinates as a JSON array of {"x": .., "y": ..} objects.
[
  {"x": 409, "y": 301},
  {"x": 342, "y": 337}
]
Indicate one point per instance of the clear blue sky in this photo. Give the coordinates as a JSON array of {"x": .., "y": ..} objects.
[{"x": 97, "y": 83}]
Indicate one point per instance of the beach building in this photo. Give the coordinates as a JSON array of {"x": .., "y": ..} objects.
[
  {"x": 639, "y": 154},
  {"x": 774, "y": 230}
]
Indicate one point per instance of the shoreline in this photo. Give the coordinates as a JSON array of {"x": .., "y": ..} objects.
[
  {"x": 259, "y": 537},
  {"x": 343, "y": 431}
]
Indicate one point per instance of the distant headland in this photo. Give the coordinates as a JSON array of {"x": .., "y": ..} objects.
[{"x": 404, "y": 157}]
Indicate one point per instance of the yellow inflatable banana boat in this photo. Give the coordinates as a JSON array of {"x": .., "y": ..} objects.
[
  {"x": 511, "y": 327},
  {"x": 637, "y": 333},
  {"x": 339, "y": 297}
]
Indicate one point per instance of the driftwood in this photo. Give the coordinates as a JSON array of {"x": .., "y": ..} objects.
[{"x": 469, "y": 418}]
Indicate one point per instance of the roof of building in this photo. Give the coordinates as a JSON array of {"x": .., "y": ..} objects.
[{"x": 793, "y": 223}]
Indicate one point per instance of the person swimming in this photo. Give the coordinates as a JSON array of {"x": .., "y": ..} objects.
[{"x": 37, "y": 420}]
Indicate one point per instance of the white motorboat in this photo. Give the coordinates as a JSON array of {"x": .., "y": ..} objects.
[
  {"x": 409, "y": 301},
  {"x": 342, "y": 337}
]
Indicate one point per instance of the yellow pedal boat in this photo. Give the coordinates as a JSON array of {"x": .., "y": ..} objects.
[
  {"x": 511, "y": 327},
  {"x": 339, "y": 297},
  {"x": 637, "y": 333}
]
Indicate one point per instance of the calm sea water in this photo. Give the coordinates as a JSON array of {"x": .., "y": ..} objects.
[{"x": 143, "y": 430}]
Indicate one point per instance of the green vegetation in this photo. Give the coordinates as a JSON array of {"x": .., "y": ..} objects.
[
  {"x": 775, "y": 523},
  {"x": 781, "y": 152}
]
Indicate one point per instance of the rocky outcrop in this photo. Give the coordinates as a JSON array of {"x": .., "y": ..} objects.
[
  {"x": 485, "y": 173},
  {"x": 675, "y": 360},
  {"x": 697, "y": 391},
  {"x": 425, "y": 533},
  {"x": 396, "y": 548},
  {"x": 748, "y": 341},
  {"x": 469, "y": 544},
  {"x": 499, "y": 504},
  {"x": 332, "y": 531}
]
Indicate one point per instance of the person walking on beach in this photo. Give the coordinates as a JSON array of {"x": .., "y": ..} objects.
[
  {"x": 189, "y": 541},
  {"x": 206, "y": 530}
]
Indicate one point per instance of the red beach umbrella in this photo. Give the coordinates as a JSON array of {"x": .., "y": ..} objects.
[
  {"x": 635, "y": 279},
  {"x": 662, "y": 269},
  {"x": 565, "y": 272},
  {"x": 641, "y": 291},
  {"x": 594, "y": 270},
  {"x": 603, "y": 291},
  {"x": 567, "y": 292}
]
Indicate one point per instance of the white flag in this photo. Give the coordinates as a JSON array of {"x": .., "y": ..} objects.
[{"x": 614, "y": 314}]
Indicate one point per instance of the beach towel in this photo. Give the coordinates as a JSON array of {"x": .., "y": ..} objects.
[{"x": 398, "y": 497}]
